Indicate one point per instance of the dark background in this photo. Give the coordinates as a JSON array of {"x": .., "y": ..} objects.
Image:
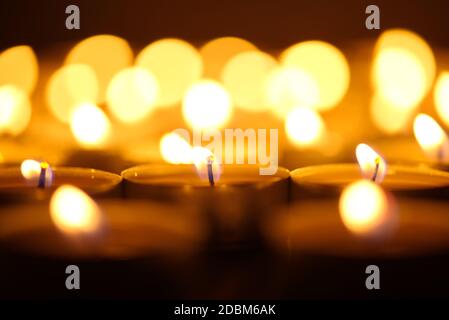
[{"x": 269, "y": 24}]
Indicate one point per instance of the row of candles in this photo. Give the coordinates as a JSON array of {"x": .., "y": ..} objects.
[{"x": 202, "y": 198}]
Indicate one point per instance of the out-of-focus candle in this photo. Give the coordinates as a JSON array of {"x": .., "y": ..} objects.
[{"x": 432, "y": 138}]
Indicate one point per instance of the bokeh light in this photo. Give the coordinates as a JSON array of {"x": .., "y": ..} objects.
[
  {"x": 216, "y": 53},
  {"x": 15, "y": 110},
  {"x": 366, "y": 210},
  {"x": 207, "y": 105},
  {"x": 176, "y": 65},
  {"x": 441, "y": 97},
  {"x": 304, "y": 127},
  {"x": 19, "y": 67},
  {"x": 105, "y": 54},
  {"x": 387, "y": 118},
  {"x": 403, "y": 68},
  {"x": 132, "y": 94},
  {"x": 70, "y": 86},
  {"x": 245, "y": 76},
  {"x": 288, "y": 88},
  {"x": 74, "y": 212},
  {"x": 90, "y": 125},
  {"x": 326, "y": 64}
]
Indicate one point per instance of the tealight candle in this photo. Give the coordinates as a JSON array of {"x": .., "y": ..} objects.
[
  {"x": 233, "y": 199},
  {"x": 33, "y": 181}
]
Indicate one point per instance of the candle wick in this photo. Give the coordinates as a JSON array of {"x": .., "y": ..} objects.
[
  {"x": 210, "y": 172},
  {"x": 376, "y": 170},
  {"x": 42, "y": 175}
]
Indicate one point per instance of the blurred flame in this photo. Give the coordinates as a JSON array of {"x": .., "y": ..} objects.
[
  {"x": 175, "y": 149},
  {"x": 441, "y": 97},
  {"x": 288, "y": 88},
  {"x": 366, "y": 210},
  {"x": 31, "y": 170},
  {"x": 15, "y": 110},
  {"x": 132, "y": 94},
  {"x": 245, "y": 76},
  {"x": 202, "y": 158},
  {"x": 207, "y": 105},
  {"x": 431, "y": 137},
  {"x": 105, "y": 54},
  {"x": 326, "y": 65},
  {"x": 70, "y": 86},
  {"x": 403, "y": 68},
  {"x": 90, "y": 125},
  {"x": 175, "y": 64},
  {"x": 216, "y": 54},
  {"x": 304, "y": 127},
  {"x": 19, "y": 67},
  {"x": 371, "y": 164},
  {"x": 73, "y": 211}
]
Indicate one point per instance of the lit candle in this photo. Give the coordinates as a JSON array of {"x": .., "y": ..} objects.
[
  {"x": 37, "y": 180},
  {"x": 431, "y": 138}
]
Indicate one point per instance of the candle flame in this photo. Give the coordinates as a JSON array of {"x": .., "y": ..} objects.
[
  {"x": 37, "y": 173},
  {"x": 441, "y": 97},
  {"x": 74, "y": 212},
  {"x": 366, "y": 209},
  {"x": 431, "y": 137},
  {"x": 371, "y": 164},
  {"x": 175, "y": 149},
  {"x": 15, "y": 110},
  {"x": 206, "y": 164}
]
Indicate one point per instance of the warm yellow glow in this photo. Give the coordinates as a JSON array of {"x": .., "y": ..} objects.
[
  {"x": 105, "y": 54},
  {"x": 304, "y": 127},
  {"x": 31, "y": 170},
  {"x": 431, "y": 137},
  {"x": 414, "y": 45},
  {"x": 216, "y": 53},
  {"x": 201, "y": 157},
  {"x": 19, "y": 67},
  {"x": 90, "y": 125},
  {"x": 175, "y": 149},
  {"x": 15, "y": 110},
  {"x": 245, "y": 76},
  {"x": 387, "y": 118},
  {"x": 132, "y": 94},
  {"x": 364, "y": 208},
  {"x": 399, "y": 78},
  {"x": 371, "y": 164},
  {"x": 441, "y": 97},
  {"x": 176, "y": 65},
  {"x": 207, "y": 105},
  {"x": 326, "y": 64},
  {"x": 290, "y": 87},
  {"x": 73, "y": 211},
  {"x": 70, "y": 86}
]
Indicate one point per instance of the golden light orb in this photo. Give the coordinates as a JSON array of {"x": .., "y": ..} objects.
[
  {"x": 175, "y": 149},
  {"x": 441, "y": 97},
  {"x": 245, "y": 76},
  {"x": 366, "y": 210},
  {"x": 326, "y": 64},
  {"x": 132, "y": 94},
  {"x": 70, "y": 86},
  {"x": 288, "y": 87},
  {"x": 217, "y": 52},
  {"x": 19, "y": 67},
  {"x": 207, "y": 105},
  {"x": 105, "y": 54},
  {"x": 90, "y": 126},
  {"x": 304, "y": 127},
  {"x": 74, "y": 212},
  {"x": 15, "y": 110},
  {"x": 176, "y": 65},
  {"x": 387, "y": 118}
]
